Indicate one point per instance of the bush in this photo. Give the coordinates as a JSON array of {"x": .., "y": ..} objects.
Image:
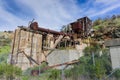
[
  {"x": 117, "y": 74},
  {"x": 85, "y": 66},
  {"x": 54, "y": 74},
  {"x": 9, "y": 71}
]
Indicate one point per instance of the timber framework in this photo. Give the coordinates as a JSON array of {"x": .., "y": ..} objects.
[{"x": 33, "y": 44}]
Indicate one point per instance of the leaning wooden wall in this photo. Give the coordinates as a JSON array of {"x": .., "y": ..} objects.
[{"x": 31, "y": 44}]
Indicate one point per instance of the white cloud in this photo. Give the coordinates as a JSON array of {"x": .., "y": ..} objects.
[
  {"x": 52, "y": 13},
  {"x": 106, "y": 2},
  {"x": 105, "y": 10},
  {"x": 10, "y": 22}
]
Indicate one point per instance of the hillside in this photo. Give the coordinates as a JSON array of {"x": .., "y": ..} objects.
[
  {"x": 108, "y": 27},
  {"x": 5, "y": 45}
]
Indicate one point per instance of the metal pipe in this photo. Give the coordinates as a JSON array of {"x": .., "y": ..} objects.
[{"x": 34, "y": 26}]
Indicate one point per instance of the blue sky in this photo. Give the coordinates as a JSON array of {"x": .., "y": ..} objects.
[{"x": 53, "y": 14}]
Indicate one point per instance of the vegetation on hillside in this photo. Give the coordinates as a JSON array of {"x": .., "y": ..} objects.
[
  {"x": 85, "y": 69},
  {"x": 108, "y": 27},
  {"x": 107, "y": 22},
  {"x": 98, "y": 68},
  {"x": 9, "y": 72},
  {"x": 5, "y": 44}
]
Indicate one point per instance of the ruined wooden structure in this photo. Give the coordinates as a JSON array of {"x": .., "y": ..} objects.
[
  {"x": 80, "y": 28},
  {"x": 32, "y": 45}
]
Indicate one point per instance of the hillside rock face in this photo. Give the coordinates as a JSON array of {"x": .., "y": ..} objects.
[{"x": 6, "y": 35}]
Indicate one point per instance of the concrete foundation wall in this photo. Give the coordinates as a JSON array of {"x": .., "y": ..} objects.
[
  {"x": 114, "y": 47},
  {"x": 115, "y": 56},
  {"x": 62, "y": 56}
]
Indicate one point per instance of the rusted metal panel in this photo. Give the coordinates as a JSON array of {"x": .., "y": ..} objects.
[
  {"x": 76, "y": 26},
  {"x": 82, "y": 26}
]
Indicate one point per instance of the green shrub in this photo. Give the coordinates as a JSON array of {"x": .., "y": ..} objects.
[
  {"x": 9, "y": 71},
  {"x": 117, "y": 73},
  {"x": 54, "y": 74}
]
